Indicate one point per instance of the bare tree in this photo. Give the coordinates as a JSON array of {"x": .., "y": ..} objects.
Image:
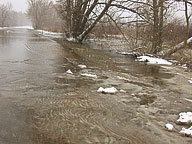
[
  {"x": 187, "y": 18},
  {"x": 82, "y": 15},
  {"x": 38, "y": 12},
  {"x": 52, "y": 21},
  {"x": 4, "y": 14},
  {"x": 187, "y": 42},
  {"x": 159, "y": 9}
]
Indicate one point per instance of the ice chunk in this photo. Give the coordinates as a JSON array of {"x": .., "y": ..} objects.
[
  {"x": 186, "y": 132},
  {"x": 82, "y": 66},
  {"x": 190, "y": 81},
  {"x": 123, "y": 91},
  {"x": 189, "y": 100},
  {"x": 153, "y": 60},
  {"x": 89, "y": 75},
  {"x": 100, "y": 89},
  {"x": 111, "y": 90},
  {"x": 169, "y": 127},
  {"x": 69, "y": 71},
  {"x": 185, "y": 118}
]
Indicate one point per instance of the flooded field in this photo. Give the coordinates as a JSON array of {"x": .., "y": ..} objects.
[{"x": 42, "y": 104}]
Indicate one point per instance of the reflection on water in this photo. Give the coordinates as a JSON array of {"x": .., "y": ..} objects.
[{"x": 41, "y": 104}]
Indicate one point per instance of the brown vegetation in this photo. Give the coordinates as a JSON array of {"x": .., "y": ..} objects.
[{"x": 144, "y": 25}]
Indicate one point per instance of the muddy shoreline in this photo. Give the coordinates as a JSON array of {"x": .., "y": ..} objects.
[{"x": 156, "y": 99}]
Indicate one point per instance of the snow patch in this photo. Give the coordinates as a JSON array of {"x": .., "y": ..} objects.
[
  {"x": 69, "y": 71},
  {"x": 186, "y": 132},
  {"x": 169, "y": 127},
  {"x": 189, "y": 40},
  {"x": 122, "y": 78},
  {"x": 71, "y": 39},
  {"x": 82, "y": 66},
  {"x": 89, "y": 75},
  {"x": 126, "y": 53},
  {"x": 184, "y": 66},
  {"x": 111, "y": 90},
  {"x": 185, "y": 118},
  {"x": 153, "y": 60}
]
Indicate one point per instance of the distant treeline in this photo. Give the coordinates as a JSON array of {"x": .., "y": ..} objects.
[{"x": 9, "y": 17}]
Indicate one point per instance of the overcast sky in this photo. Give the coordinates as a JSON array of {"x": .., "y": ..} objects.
[
  {"x": 18, "y": 5},
  {"x": 21, "y": 5}
]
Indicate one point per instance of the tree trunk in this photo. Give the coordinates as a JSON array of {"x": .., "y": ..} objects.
[
  {"x": 161, "y": 20},
  {"x": 178, "y": 47},
  {"x": 89, "y": 29},
  {"x": 68, "y": 16},
  {"x": 155, "y": 27},
  {"x": 187, "y": 42},
  {"x": 187, "y": 24}
]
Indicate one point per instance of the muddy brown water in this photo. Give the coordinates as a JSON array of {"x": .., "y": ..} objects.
[{"x": 41, "y": 104}]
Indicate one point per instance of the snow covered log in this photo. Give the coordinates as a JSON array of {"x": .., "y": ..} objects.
[{"x": 178, "y": 47}]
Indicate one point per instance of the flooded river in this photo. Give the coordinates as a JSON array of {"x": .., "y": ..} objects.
[{"x": 41, "y": 104}]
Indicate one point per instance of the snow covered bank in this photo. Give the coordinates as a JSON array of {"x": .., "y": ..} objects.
[
  {"x": 17, "y": 27},
  {"x": 111, "y": 90},
  {"x": 1, "y": 28},
  {"x": 23, "y": 27},
  {"x": 45, "y": 33},
  {"x": 50, "y": 34},
  {"x": 153, "y": 60}
]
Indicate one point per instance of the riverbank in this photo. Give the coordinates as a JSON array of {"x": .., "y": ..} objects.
[{"x": 156, "y": 95}]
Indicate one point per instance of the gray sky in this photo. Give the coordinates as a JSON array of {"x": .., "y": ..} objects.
[
  {"x": 21, "y": 5},
  {"x": 18, "y": 5}
]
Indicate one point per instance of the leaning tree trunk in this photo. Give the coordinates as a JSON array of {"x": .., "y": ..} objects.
[
  {"x": 187, "y": 43},
  {"x": 180, "y": 46}
]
